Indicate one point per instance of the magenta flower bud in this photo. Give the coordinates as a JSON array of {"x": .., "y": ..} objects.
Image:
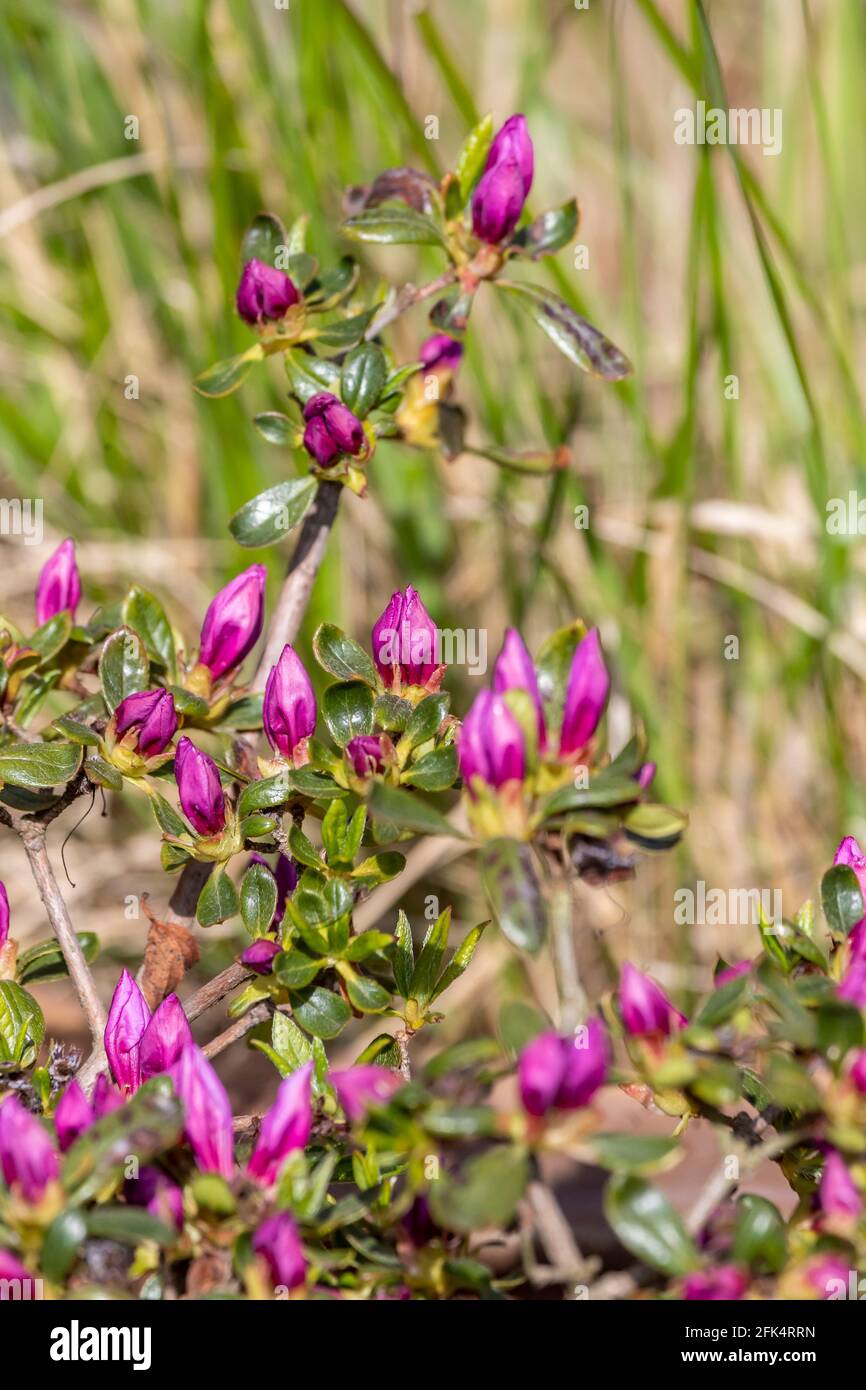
[
  {"x": 585, "y": 695},
  {"x": 59, "y": 586},
  {"x": 362, "y": 1087},
  {"x": 199, "y": 788},
  {"x": 285, "y": 1128},
  {"x": 11, "y": 1269},
  {"x": 259, "y": 955},
  {"x": 365, "y": 754},
  {"x": 73, "y": 1115},
  {"x": 713, "y": 1285},
  {"x": 490, "y": 743},
  {"x": 277, "y": 1242},
  {"x": 732, "y": 972},
  {"x": 233, "y": 622},
  {"x": 152, "y": 713},
  {"x": 4, "y": 915},
  {"x": 853, "y": 984},
  {"x": 563, "y": 1073},
  {"x": 164, "y": 1038},
  {"x": 264, "y": 293},
  {"x": 837, "y": 1192},
  {"x": 645, "y": 776},
  {"x": 514, "y": 671},
  {"x": 539, "y": 1073},
  {"x": 28, "y": 1159},
  {"x": 644, "y": 1006},
  {"x": 849, "y": 853},
  {"x": 128, "y": 1017},
  {"x": 106, "y": 1098},
  {"x": 155, "y": 1191},
  {"x": 289, "y": 708},
  {"x": 858, "y": 1071},
  {"x": 405, "y": 642},
  {"x": 828, "y": 1276},
  {"x": 440, "y": 353},
  {"x": 286, "y": 874},
  {"x": 332, "y": 430},
  {"x": 207, "y": 1112},
  {"x": 513, "y": 142},
  {"x": 498, "y": 202}
]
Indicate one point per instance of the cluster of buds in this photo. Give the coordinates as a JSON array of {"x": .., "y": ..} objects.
[
  {"x": 264, "y": 294},
  {"x": 139, "y": 1044},
  {"x": 506, "y": 747},
  {"x": 560, "y": 1074}
]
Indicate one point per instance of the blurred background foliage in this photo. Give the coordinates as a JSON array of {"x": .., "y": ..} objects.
[{"x": 706, "y": 520}]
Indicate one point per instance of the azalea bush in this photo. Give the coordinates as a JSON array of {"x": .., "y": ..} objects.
[{"x": 128, "y": 1171}]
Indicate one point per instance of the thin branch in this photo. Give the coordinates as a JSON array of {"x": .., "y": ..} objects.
[
  {"x": 405, "y": 298},
  {"x": 215, "y": 990},
  {"x": 259, "y": 1013},
  {"x": 33, "y": 839}
]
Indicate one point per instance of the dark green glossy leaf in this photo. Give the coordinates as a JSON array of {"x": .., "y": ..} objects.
[
  {"x": 362, "y": 378},
  {"x": 263, "y": 239},
  {"x": 145, "y": 615},
  {"x": 270, "y": 517},
  {"x": 633, "y": 1153},
  {"x": 218, "y": 900},
  {"x": 52, "y": 636},
  {"x": 760, "y": 1235},
  {"x": 321, "y": 1012},
  {"x": 22, "y": 1025},
  {"x": 549, "y": 232},
  {"x": 258, "y": 899},
  {"x": 648, "y": 1225},
  {"x": 575, "y": 337},
  {"x": 472, "y": 156},
  {"x": 347, "y": 709},
  {"x": 342, "y": 656},
  {"x": 45, "y": 961},
  {"x": 409, "y": 812},
  {"x": 435, "y": 772},
  {"x": 32, "y": 765},
  {"x": 841, "y": 899},
  {"x": 487, "y": 1191},
  {"x": 278, "y": 429},
  {"x": 392, "y": 224},
  {"x": 226, "y": 376},
  {"x": 124, "y": 666}
]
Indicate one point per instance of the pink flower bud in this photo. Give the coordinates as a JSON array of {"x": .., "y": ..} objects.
[
  {"x": 585, "y": 695},
  {"x": 285, "y": 1128},
  {"x": 59, "y": 586},
  {"x": 207, "y": 1112},
  {"x": 264, "y": 293},
  {"x": 366, "y": 755},
  {"x": 362, "y": 1087},
  {"x": 259, "y": 955},
  {"x": 563, "y": 1073},
  {"x": 28, "y": 1159},
  {"x": 440, "y": 353},
  {"x": 712, "y": 1285},
  {"x": 332, "y": 430},
  {"x": 128, "y": 1017},
  {"x": 164, "y": 1038},
  {"x": 514, "y": 671},
  {"x": 233, "y": 622},
  {"x": 406, "y": 643},
  {"x": 277, "y": 1242},
  {"x": 837, "y": 1192},
  {"x": 199, "y": 789},
  {"x": 289, "y": 709},
  {"x": 644, "y": 1006},
  {"x": 152, "y": 713},
  {"x": 490, "y": 743},
  {"x": 73, "y": 1115}
]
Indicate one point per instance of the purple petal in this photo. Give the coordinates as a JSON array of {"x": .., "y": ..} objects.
[
  {"x": 233, "y": 622},
  {"x": 199, "y": 789},
  {"x": 514, "y": 671},
  {"x": 164, "y": 1038},
  {"x": 289, "y": 709},
  {"x": 585, "y": 695},
  {"x": 73, "y": 1115},
  {"x": 128, "y": 1017},
  {"x": 207, "y": 1112},
  {"x": 285, "y": 1128},
  {"x": 58, "y": 587}
]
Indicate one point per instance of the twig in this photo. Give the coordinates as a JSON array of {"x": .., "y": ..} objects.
[
  {"x": 32, "y": 834},
  {"x": 405, "y": 298},
  {"x": 215, "y": 990},
  {"x": 259, "y": 1013},
  {"x": 402, "y": 1038}
]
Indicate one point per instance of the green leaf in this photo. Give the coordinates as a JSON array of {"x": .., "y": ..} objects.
[
  {"x": 271, "y": 515},
  {"x": 342, "y": 656},
  {"x": 101, "y": 773},
  {"x": 606, "y": 788},
  {"x": 309, "y": 375},
  {"x": 430, "y": 959},
  {"x": 347, "y": 709},
  {"x": 392, "y": 224},
  {"x": 549, "y": 232},
  {"x": 321, "y": 1012},
  {"x": 760, "y": 1235},
  {"x": 295, "y": 969},
  {"x": 264, "y": 794},
  {"x": 392, "y": 713},
  {"x": 649, "y": 823},
  {"x": 367, "y": 944},
  {"x": 334, "y": 285},
  {"x": 146, "y": 616},
  {"x": 130, "y": 1225},
  {"x": 840, "y": 1028},
  {"x": 553, "y": 666},
  {"x": 39, "y": 764},
  {"x": 22, "y": 1025},
  {"x": 76, "y": 731},
  {"x": 575, "y": 337},
  {"x": 226, "y": 376},
  {"x": 841, "y": 900},
  {"x": 362, "y": 378},
  {"x": 263, "y": 239},
  {"x": 379, "y": 868},
  {"x": 634, "y": 1153},
  {"x": 63, "y": 1243},
  {"x": 510, "y": 881},
  {"x": 290, "y": 1044},
  {"x": 435, "y": 772},
  {"x": 404, "y": 955},
  {"x": 334, "y": 828},
  {"x": 277, "y": 428},
  {"x": 487, "y": 1192},
  {"x": 648, "y": 1225},
  {"x": 303, "y": 849},
  {"x": 409, "y": 811},
  {"x": 341, "y": 334},
  {"x": 790, "y": 1085},
  {"x": 367, "y": 995},
  {"x": 425, "y": 720},
  {"x": 723, "y": 1003},
  {"x": 459, "y": 961},
  {"x": 218, "y": 900},
  {"x": 258, "y": 899},
  {"x": 52, "y": 636},
  {"x": 166, "y": 816},
  {"x": 124, "y": 666},
  {"x": 45, "y": 961},
  {"x": 472, "y": 156}
]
